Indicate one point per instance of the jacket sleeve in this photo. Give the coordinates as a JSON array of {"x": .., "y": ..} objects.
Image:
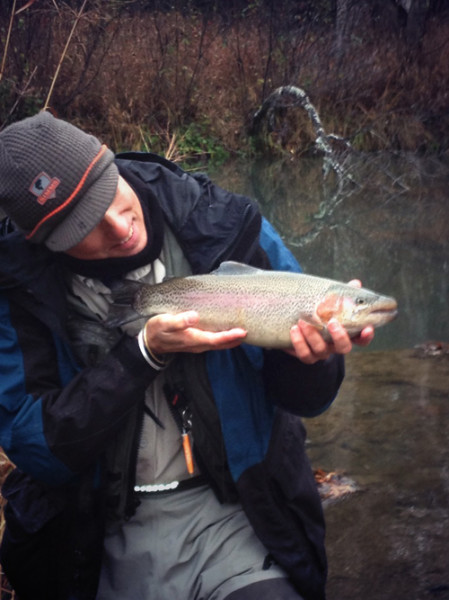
[
  {"x": 55, "y": 419},
  {"x": 306, "y": 390}
]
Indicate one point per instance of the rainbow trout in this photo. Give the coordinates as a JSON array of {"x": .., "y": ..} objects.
[{"x": 264, "y": 303}]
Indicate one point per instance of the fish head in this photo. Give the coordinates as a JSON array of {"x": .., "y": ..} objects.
[{"x": 356, "y": 308}]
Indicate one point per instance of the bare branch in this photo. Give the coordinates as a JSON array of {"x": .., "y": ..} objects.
[
  {"x": 280, "y": 99},
  {"x": 8, "y": 37},
  {"x": 64, "y": 52}
]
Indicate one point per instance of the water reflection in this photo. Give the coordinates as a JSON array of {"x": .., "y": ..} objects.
[
  {"x": 387, "y": 226},
  {"x": 388, "y": 431}
]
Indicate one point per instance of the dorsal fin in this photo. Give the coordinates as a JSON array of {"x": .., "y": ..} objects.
[{"x": 231, "y": 267}]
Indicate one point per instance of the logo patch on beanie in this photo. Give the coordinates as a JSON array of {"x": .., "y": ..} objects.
[{"x": 44, "y": 187}]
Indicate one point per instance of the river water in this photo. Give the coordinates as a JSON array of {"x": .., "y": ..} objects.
[{"x": 387, "y": 431}]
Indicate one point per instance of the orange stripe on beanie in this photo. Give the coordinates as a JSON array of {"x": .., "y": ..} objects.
[{"x": 72, "y": 196}]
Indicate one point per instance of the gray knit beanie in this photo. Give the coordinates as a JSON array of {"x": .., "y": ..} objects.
[{"x": 56, "y": 181}]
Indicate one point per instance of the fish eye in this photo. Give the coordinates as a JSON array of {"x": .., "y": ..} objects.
[{"x": 360, "y": 300}]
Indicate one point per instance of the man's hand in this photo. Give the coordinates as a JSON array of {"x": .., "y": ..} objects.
[
  {"x": 310, "y": 347},
  {"x": 166, "y": 334}
]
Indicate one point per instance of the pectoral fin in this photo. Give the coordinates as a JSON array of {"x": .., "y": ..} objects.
[{"x": 328, "y": 308}]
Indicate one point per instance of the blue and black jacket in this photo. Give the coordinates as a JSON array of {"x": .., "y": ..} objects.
[{"x": 58, "y": 418}]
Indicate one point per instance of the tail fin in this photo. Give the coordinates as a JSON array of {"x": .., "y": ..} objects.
[
  {"x": 119, "y": 315},
  {"x": 122, "y": 311},
  {"x": 124, "y": 292}
]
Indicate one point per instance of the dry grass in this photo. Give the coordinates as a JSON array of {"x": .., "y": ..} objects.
[
  {"x": 6, "y": 467},
  {"x": 142, "y": 78},
  {"x": 6, "y": 593}
]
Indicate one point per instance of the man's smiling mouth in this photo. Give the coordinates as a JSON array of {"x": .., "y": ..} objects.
[{"x": 130, "y": 235}]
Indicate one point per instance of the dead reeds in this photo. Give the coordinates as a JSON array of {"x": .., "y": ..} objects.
[
  {"x": 6, "y": 592},
  {"x": 133, "y": 76}
]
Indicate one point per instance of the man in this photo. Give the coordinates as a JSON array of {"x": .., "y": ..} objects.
[{"x": 154, "y": 460}]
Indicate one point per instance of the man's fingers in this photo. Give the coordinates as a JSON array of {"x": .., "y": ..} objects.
[
  {"x": 365, "y": 337},
  {"x": 340, "y": 338},
  {"x": 308, "y": 343},
  {"x": 220, "y": 340},
  {"x": 355, "y": 283}
]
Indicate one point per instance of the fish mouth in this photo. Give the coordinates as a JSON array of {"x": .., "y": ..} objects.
[
  {"x": 391, "y": 314},
  {"x": 385, "y": 314},
  {"x": 387, "y": 307}
]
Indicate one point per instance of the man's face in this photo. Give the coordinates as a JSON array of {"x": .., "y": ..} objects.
[{"x": 120, "y": 233}]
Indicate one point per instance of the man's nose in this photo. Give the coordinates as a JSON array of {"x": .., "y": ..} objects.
[{"x": 115, "y": 223}]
